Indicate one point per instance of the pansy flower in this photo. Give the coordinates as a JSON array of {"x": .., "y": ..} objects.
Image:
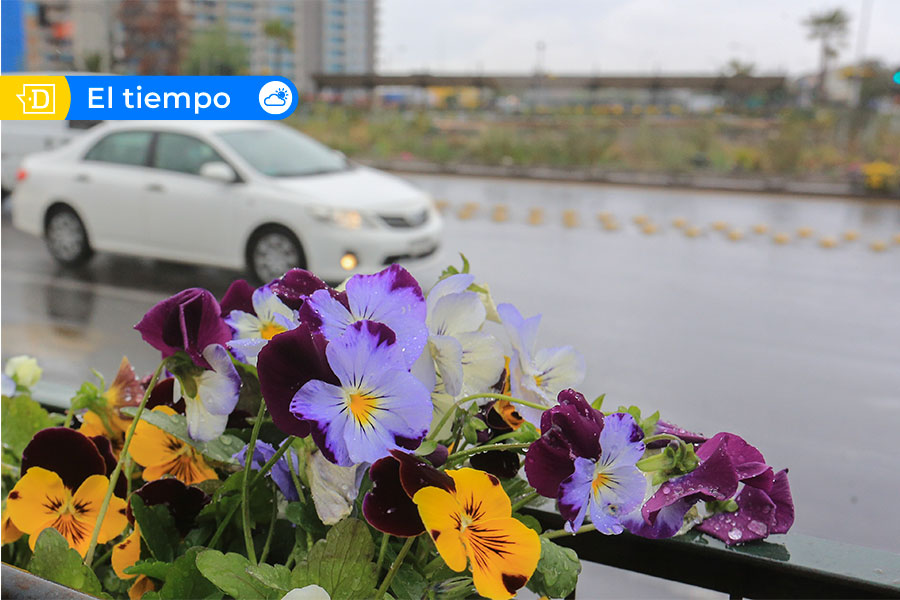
[
  {"x": 252, "y": 330},
  {"x": 162, "y": 454},
  {"x": 376, "y": 406},
  {"x": 467, "y": 359},
  {"x": 473, "y": 523},
  {"x": 292, "y": 289},
  {"x": 333, "y": 488},
  {"x": 217, "y": 392},
  {"x": 280, "y": 472},
  {"x": 63, "y": 486},
  {"x": 726, "y": 461},
  {"x": 388, "y": 506},
  {"x": 537, "y": 375},
  {"x": 125, "y": 390},
  {"x": 391, "y": 297},
  {"x": 189, "y": 321},
  {"x": 500, "y": 417}
]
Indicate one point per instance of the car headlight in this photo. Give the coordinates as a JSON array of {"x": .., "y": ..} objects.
[{"x": 346, "y": 219}]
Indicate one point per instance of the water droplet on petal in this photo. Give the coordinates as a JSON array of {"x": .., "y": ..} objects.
[
  {"x": 758, "y": 528},
  {"x": 666, "y": 490},
  {"x": 735, "y": 534}
]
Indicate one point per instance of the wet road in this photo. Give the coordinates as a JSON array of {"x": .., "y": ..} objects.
[{"x": 795, "y": 346}]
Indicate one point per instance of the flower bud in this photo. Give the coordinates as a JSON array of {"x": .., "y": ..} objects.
[{"x": 24, "y": 370}]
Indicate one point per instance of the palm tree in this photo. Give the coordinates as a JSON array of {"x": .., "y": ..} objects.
[
  {"x": 280, "y": 33},
  {"x": 830, "y": 27}
]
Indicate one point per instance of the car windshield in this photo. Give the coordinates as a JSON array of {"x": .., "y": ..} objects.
[{"x": 283, "y": 152}]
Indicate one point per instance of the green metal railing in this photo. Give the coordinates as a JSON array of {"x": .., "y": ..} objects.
[{"x": 788, "y": 566}]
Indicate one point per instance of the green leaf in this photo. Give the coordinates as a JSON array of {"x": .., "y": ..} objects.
[
  {"x": 304, "y": 515},
  {"x": 229, "y": 573},
  {"x": 529, "y": 522},
  {"x": 597, "y": 404},
  {"x": 220, "y": 449},
  {"x": 526, "y": 433},
  {"x": 341, "y": 563},
  {"x": 184, "y": 580},
  {"x": 53, "y": 559},
  {"x": 426, "y": 448},
  {"x": 408, "y": 583},
  {"x": 150, "y": 567},
  {"x": 157, "y": 528},
  {"x": 557, "y": 571},
  {"x": 276, "y": 577},
  {"x": 22, "y": 417},
  {"x": 465, "y": 267},
  {"x": 469, "y": 433}
]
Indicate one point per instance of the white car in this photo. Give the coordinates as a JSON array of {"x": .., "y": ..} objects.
[{"x": 229, "y": 194}]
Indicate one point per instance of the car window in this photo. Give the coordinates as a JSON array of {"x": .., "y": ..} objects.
[
  {"x": 123, "y": 148},
  {"x": 183, "y": 153},
  {"x": 283, "y": 152}
]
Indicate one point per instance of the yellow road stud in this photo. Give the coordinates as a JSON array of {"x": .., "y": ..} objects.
[
  {"x": 570, "y": 218},
  {"x": 851, "y": 235},
  {"x": 650, "y": 228},
  {"x": 805, "y": 232},
  {"x": 692, "y": 231},
  {"x": 760, "y": 228},
  {"x": 604, "y": 215},
  {"x": 735, "y": 235},
  {"x": 781, "y": 238},
  {"x": 641, "y": 219},
  {"x": 679, "y": 222},
  {"x": 610, "y": 225},
  {"x": 896, "y": 238},
  {"x": 719, "y": 225},
  {"x": 878, "y": 246},
  {"x": 500, "y": 214},
  {"x": 828, "y": 241},
  {"x": 441, "y": 205},
  {"x": 536, "y": 216}
]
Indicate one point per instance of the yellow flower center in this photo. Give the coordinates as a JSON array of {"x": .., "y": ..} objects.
[
  {"x": 361, "y": 407},
  {"x": 70, "y": 520},
  {"x": 600, "y": 480},
  {"x": 269, "y": 330},
  {"x": 538, "y": 380}
]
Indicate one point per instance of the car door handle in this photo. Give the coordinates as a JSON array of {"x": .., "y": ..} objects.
[
  {"x": 82, "y": 178},
  {"x": 155, "y": 187}
]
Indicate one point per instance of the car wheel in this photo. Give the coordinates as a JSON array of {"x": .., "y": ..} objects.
[
  {"x": 272, "y": 252},
  {"x": 66, "y": 238}
]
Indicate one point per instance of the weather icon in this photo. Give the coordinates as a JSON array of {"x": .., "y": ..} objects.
[
  {"x": 279, "y": 98},
  {"x": 275, "y": 98}
]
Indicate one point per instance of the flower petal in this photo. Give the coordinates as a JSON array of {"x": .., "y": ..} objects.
[
  {"x": 752, "y": 521},
  {"x": 504, "y": 554},
  {"x": 784, "y": 503},
  {"x": 289, "y": 361},
  {"x": 668, "y": 521},
  {"x": 126, "y": 553},
  {"x": 456, "y": 313},
  {"x": 522, "y": 332},
  {"x": 387, "y": 507},
  {"x": 333, "y": 488},
  {"x": 747, "y": 460},
  {"x": 453, "y": 284},
  {"x": 183, "y": 501},
  {"x": 89, "y": 497},
  {"x": 620, "y": 442},
  {"x": 203, "y": 425},
  {"x": 323, "y": 406},
  {"x": 34, "y": 502},
  {"x": 482, "y": 361},
  {"x": 440, "y": 511},
  {"x": 10, "y": 533},
  {"x": 295, "y": 285},
  {"x": 480, "y": 494},
  {"x": 575, "y": 494},
  {"x": 66, "y": 452},
  {"x": 238, "y": 296},
  {"x": 447, "y": 354}
]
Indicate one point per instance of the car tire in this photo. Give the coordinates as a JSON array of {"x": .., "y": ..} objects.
[
  {"x": 272, "y": 251},
  {"x": 66, "y": 237}
]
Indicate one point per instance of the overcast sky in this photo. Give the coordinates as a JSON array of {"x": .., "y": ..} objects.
[{"x": 603, "y": 36}]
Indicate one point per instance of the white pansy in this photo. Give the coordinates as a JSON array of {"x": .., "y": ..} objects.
[
  {"x": 310, "y": 592},
  {"x": 24, "y": 370},
  {"x": 334, "y": 488},
  {"x": 253, "y": 332},
  {"x": 217, "y": 395}
]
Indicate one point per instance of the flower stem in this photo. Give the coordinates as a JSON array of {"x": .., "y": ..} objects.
[
  {"x": 661, "y": 436},
  {"x": 265, "y": 550},
  {"x": 384, "y": 546},
  {"x": 549, "y": 535},
  {"x": 395, "y": 566},
  {"x": 463, "y": 454},
  {"x": 114, "y": 476},
  {"x": 511, "y": 399},
  {"x": 249, "y": 453},
  {"x": 265, "y": 469},
  {"x": 525, "y": 500}
]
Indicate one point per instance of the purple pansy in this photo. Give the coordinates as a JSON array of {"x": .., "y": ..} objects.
[
  {"x": 377, "y": 406},
  {"x": 285, "y": 365},
  {"x": 726, "y": 461},
  {"x": 281, "y": 470},
  {"x": 189, "y": 321},
  {"x": 183, "y": 501},
  {"x": 391, "y": 297},
  {"x": 292, "y": 288},
  {"x": 217, "y": 392}
]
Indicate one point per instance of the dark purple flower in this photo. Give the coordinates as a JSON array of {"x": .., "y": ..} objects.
[
  {"x": 669, "y": 428},
  {"x": 568, "y": 431},
  {"x": 189, "y": 321},
  {"x": 759, "y": 513},
  {"x": 163, "y": 394},
  {"x": 183, "y": 501},
  {"x": 287, "y": 362},
  {"x": 68, "y": 453},
  {"x": 388, "y": 506},
  {"x": 295, "y": 286},
  {"x": 239, "y": 296},
  {"x": 104, "y": 447},
  {"x": 501, "y": 463},
  {"x": 726, "y": 461},
  {"x": 280, "y": 472}
]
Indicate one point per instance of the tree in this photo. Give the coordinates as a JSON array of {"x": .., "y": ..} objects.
[
  {"x": 216, "y": 52},
  {"x": 280, "y": 33},
  {"x": 830, "y": 28},
  {"x": 737, "y": 68}
]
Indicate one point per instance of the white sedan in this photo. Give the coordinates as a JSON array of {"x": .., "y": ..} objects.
[{"x": 228, "y": 194}]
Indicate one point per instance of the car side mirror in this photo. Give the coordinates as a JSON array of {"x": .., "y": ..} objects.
[{"x": 219, "y": 171}]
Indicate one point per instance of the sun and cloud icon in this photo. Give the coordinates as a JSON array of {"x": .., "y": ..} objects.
[
  {"x": 275, "y": 98},
  {"x": 279, "y": 98}
]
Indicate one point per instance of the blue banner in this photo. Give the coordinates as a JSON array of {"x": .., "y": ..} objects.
[{"x": 132, "y": 97}]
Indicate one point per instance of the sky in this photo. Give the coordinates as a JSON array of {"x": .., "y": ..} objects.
[{"x": 620, "y": 36}]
